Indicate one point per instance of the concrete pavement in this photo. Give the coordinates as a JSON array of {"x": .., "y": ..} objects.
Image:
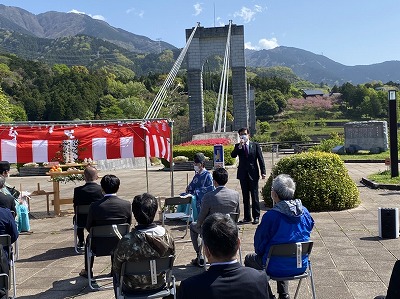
[{"x": 349, "y": 260}]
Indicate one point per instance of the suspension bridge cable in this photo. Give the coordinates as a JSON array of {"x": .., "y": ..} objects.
[
  {"x": 158, "y": 101},
  {"x": 221, "y": 107}
]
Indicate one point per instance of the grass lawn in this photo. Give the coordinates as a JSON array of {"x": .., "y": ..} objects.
[
  {"x": 384, "y": 177},
  {"x": 365, "y": 155}
]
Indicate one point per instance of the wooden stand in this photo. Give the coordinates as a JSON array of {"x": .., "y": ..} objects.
[
  {"x": 42, "y": 192},
  {"x": 58, "y": 201}
]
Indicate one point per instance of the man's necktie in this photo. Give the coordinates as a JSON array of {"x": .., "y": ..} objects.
[{"x": 246, "y": 151}]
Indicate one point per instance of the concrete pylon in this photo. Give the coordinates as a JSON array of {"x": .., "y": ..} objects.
[{"x": 209, "y": 42}]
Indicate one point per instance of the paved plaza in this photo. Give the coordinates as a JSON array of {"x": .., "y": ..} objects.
[{"x": 349, "y": 259}]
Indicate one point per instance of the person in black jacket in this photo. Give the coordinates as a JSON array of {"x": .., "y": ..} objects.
[
  {"x": 226, "y": 278},
  {"x": 251, "y": 161},
  {"x": 393, "y": 291},
  {"x": 109, "y": 210},
  {"x": 6, "y": 201},
  {"x": 85, "y": 195}
]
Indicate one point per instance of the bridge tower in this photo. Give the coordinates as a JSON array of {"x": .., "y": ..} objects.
[{"x": 208, "y": 42}]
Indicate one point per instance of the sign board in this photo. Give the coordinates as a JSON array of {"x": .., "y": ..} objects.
[{"x": 219, "y": 156}]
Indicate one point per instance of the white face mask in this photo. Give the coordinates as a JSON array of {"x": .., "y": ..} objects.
[
  {"x": 196, "y": 168},
  {"x": 243, "y": 137}
]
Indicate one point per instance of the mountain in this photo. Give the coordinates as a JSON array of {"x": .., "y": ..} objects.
[
  {"x": 55, "y": 37},
  {"x": 53, "y": 25},
  {"x": 318, "y": 68}
]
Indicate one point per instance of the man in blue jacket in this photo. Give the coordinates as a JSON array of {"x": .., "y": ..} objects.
[{"x": 287, "y": 222}]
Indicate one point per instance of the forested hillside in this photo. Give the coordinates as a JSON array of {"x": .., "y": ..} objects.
[{"x": 36, "y": 91}]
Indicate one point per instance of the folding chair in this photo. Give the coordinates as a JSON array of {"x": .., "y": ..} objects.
[
  {"x": 151, "y": 267},
  {"x": 102, "y": 241},
  {"x": 16, "y": 247},
  {"x": 235, "y": 218},
  {"x": 174, "y": 201},
  {"x": 5, "y": 240},
  {"x": 81, "y": 212},
  {"x": 4, "y": 283},
  {"x": 297, "y": 250}
]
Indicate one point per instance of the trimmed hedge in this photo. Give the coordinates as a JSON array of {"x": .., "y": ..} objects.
[
  {"x": 322, "y": 181},
  {"x": 208, "y": 151}
]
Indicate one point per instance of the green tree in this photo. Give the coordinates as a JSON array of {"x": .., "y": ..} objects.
[{"x": 5, "y": 108}]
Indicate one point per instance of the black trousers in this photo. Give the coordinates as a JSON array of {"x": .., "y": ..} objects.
[
  {"x": 253, "y": 260},
  {"x": 87, "y": 267},
  {"x": 250, "y": 188},
  {"x": 394, "y": 283}
]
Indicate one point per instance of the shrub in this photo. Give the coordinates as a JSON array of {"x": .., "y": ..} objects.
[
  {"x": 208, "y": 151},
  {"x": 266, "y": 137},
  {"x": 322, "y": 181},
  {"x": 327, "y": 145},
  {"x": 211, "y": 141}
]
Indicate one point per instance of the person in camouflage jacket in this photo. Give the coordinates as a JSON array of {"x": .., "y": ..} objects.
[{"x": 146, "y": 240}]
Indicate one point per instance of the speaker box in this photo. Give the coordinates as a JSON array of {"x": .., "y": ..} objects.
[{"x": 388, "y": 221}]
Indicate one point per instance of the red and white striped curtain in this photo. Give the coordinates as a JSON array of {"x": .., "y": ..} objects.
[{"x": 43, "y": 143}]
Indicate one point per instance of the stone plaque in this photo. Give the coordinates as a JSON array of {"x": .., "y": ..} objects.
[{"x": 366, "y": 135}]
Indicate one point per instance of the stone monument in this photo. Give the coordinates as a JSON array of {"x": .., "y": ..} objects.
[{"x": 366, "y": 135}]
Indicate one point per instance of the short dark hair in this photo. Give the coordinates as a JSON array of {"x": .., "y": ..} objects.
[
  {"x": 110, "y": 183},
  {"x": 144, "y": 208},
  {"x": 2, "y": 181},
  {"x": 220, "y": 175},
  {"x": 4, "y": 166},
  {"x": 220, "y": 235},
  {"x": 241, "y": 130}
]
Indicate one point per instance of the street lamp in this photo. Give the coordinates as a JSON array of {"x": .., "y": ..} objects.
[{"x": 394, "y": 160}]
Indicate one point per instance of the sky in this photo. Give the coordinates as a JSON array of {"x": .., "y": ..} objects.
[{"x": 351, "y": 32}]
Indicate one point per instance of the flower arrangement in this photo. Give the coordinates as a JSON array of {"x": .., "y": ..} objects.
[
  {"x": 211, "y": 141},
  {"x": 31, "y": 164},
  {"x": 69, "y": 152},
  {"x": 180, "y": 159},
  {"x": 69, "y": 178}
]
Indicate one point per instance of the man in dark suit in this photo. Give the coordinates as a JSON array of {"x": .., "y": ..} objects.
[
  {"x": 225, "y": 278},
  {"x": 6, "y": 201},
  {"x": 221, "y": 200},
  {"x": 85, "y": 195},
  {"x": 109, "y": 210},
  {"x": 251, "y": 161}
]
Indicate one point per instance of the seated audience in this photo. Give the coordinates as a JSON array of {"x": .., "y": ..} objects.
[
  {"x": 21, "y": 207},
  {"x": 6, "y": 200},
  {"x": 225, "y": 278},
  {"x": 222, "y": 200},
  {"x": 85, "y": 195},
  {"x": 109, "y": 210},
  {"x": 9, "y": 227},
  {"x": 146, "y": 240},
  {"x": 287, "y": 222},
  {"x": 202, "y": 181},
  {"x": 393, "y": 291}
]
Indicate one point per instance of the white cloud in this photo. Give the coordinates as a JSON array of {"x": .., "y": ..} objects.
[
  {"x": 198, "y": 9},
  {"x": 263, "y": 44},
  {"x": 96, "y": 17},
  {"x": 77, "y": 12},
  {"x": 133, "y": 10},
  {"x": 99, "y": 17},
  {"x": 248, "y": 14}
]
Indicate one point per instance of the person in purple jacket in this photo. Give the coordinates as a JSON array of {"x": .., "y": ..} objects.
[{"x": 287, "y": 222}]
